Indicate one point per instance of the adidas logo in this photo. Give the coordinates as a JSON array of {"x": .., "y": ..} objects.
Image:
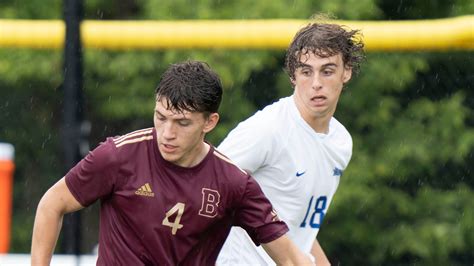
[{"x": 145, "y": 190}]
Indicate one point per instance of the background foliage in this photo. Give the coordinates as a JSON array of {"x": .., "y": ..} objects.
[{"x": 407, "y": 196}]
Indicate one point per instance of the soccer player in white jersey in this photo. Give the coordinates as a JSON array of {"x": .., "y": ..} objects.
[{"x": 295, "y": 148}]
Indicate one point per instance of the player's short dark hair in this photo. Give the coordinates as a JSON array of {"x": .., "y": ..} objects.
[
  {"x": 324, "y": 40},
  {"x": 190, "y": 86}
]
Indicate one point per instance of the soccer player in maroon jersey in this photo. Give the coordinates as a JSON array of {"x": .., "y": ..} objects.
[{"x": 167, "y": 196}]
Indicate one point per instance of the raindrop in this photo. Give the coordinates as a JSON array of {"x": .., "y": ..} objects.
[
  {"x": 420, "y": 182},
  {"x": 100, "y": 13},
  {"x": 399, "y": 8}
]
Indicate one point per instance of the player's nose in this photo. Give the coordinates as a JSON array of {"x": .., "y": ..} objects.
[
  {"x": 316, "y": 83},
  {"x": 169, "y": 130}
]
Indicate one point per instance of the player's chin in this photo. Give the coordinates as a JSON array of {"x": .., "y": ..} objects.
[
  {"x": 169, "y": 154},
  {"x": 172, "y": 158}
]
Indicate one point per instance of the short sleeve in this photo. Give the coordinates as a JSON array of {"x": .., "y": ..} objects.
[
  {"x": 256, "y": 215},
  {"x": 94, "y": 176},
  {"x": 248, "y": 145}
]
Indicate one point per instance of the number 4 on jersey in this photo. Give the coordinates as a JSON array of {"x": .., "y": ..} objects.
[
  {"x": 178, "y": 207},
  {"x": 318, "y": 213}
]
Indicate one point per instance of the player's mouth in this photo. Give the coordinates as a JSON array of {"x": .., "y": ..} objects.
[
  {"x": 319, "y": 100},
  {"x": 168, "y": 148}
]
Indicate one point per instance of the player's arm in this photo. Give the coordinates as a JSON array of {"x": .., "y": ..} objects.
[
  {"x": 284, "y": 252},
  {"x": 56, "y": 202},
  {"x": 319, "y": 255},
  {"x": 261, "y": 222}
]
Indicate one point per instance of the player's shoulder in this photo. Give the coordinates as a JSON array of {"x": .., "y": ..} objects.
[
  {"x": 126, "y": 146},
  {"x": 276, "y": 109},
  {"x": 339, "y": 132},
  {"x": 269, "y": 119},
  {"x": 132, "y": 139},
  {"x": 231, "y": 173},
  {"x": 227, "y": 166},
  {"x": 123, "y": 146},
  {"x": 266, "y": 129}
]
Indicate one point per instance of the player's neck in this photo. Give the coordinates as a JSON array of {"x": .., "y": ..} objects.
[
  {"x": 319, "y": 121},
  {"x": 319, "y": 124},
  {"x": 201, "y": 152}
]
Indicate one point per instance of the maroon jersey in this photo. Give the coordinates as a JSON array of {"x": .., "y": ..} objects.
[{"x": 156, "y": 213}]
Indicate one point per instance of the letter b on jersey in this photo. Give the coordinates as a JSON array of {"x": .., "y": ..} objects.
[{"x": 210, "y": 202}]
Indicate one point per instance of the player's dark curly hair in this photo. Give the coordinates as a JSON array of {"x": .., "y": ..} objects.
[
  {"x": 324, "y": 39},
  {"x": 190, "y": 86}
]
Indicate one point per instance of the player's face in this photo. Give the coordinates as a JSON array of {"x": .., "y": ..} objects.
[
  {"x": 318, "y": 84},
  {"x": 181, "y": 134}
]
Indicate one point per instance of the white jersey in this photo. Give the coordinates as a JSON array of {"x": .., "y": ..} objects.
[{"x": 297, "y": 168}]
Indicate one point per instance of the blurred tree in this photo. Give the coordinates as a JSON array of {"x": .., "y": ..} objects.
[{"x": 406, "y": 197}]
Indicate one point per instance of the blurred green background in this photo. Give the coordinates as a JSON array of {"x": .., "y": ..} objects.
[{"x": 407, "y": 197}]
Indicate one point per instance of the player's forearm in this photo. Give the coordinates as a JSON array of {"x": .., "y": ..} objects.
[
  {"x": 285, "y": 252},
  {"x": 57, "y": 201},
  {"x": 319, "y": 255},
  {"x": 45, "y": 233}
]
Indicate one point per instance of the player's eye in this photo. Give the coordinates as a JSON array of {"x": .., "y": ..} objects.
[
  {"x": 160, "y": 117},
  {"x": 306, "y": 72},
  {"x": 327, "y": 72},
  {"x": 184, "y": 123}
]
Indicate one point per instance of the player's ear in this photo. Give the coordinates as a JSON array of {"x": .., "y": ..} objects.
[
  {"x": 293, "y": 82},
  {"x": 211, "y": 122},
  {"x": 347, "y": 74}
]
